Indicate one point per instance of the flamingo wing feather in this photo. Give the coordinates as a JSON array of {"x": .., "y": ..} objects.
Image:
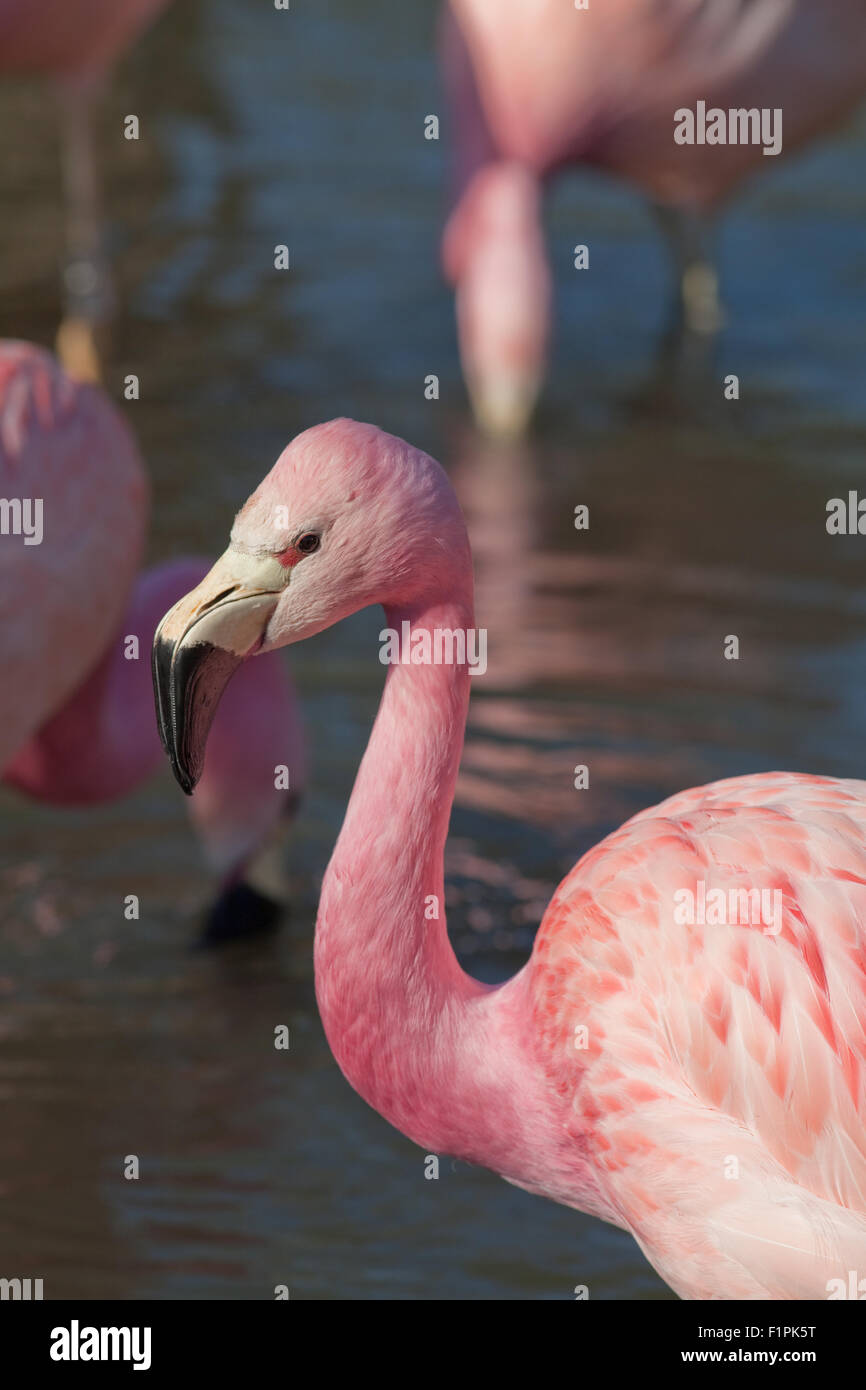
[{"x": 725, "y": 1059}]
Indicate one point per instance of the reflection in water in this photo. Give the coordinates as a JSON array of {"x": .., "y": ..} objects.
[
  {"x": 261, "y": 1167},
  {"x": 606, "y": 645}
]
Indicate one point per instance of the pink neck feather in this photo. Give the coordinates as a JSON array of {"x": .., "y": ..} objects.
[
  {"x": 445, "y": 1059},
  {"x": 389, "y": 986}
]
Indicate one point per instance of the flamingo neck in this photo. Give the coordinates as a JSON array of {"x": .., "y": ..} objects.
[
  {"x": 398, "y": 1010},
  {"x": 385, "y": 970},
  {"x": 447, "y": 1060}
]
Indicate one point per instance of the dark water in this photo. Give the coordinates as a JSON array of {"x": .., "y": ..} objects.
[{"x": 707, "y": 518}]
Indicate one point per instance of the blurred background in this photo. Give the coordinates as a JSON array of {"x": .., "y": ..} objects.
[{"x": 707, "y": 518}]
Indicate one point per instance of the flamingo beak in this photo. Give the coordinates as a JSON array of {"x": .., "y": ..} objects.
[{"x": 199, "y": 645}]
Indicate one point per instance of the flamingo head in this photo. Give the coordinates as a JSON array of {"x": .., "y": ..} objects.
[
  {"x": 494, "y": 252},
  {"x": 348, "y": 516}
]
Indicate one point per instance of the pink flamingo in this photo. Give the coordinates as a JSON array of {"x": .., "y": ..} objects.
[
  {"x": 703, "y": 1087},
  {"x": 76, "y": 707},
  {"x": 538, "y": 87},
  {"x": 75, "y": 43}
]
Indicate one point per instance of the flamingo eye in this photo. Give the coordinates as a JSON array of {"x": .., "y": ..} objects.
[{"x": 307, "y": 544}]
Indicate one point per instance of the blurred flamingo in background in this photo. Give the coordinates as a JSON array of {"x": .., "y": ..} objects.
[
  {"x": 537, "y": 86},
  {"x": 701, "y": 1086},
  {"x": 76, "y": 702},
  {"x": 75, "y": 43}
]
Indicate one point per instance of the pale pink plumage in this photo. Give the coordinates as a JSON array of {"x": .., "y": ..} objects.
[
  {"x": 63, "y": 443},
  {"x": 556, "y": 85},
  {"x": 76, "y": 716},
  {"x": 540, "y": 85},
  {"x": 718, "y": 1108}
]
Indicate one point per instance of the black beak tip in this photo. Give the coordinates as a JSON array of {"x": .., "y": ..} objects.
[
  {"x": 184, "y": 780},
  {"x": 180, "y": 674}
]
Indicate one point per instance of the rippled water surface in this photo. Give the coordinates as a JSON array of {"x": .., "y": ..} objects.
[{"x": 707, "y": 518}]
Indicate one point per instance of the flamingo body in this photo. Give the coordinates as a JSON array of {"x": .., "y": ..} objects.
[
  {"x": 77, "y": 625},
  {"x": 537, "y": 86},
  {"x": 698, "y": 1083},
  {"x": 726, "y": 1121},
  {"x": 61, "y": 443},
  {"x": 556, "y": 86}
]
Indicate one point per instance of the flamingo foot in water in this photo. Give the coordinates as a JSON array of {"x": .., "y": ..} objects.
[
  {"x": 82, "y": 348},
  {"x": 240, "y": 913}
]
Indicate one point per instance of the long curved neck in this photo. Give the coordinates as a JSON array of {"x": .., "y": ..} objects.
[
  {"x": 386, "y": 976},
  {"x": 447, "y": 1060}
]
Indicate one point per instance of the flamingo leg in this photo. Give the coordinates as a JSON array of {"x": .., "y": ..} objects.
[
  {"x": 256, "y": 898},
  {"x": 698, "y": 310},
  {"x": 88, "y": 297}
]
